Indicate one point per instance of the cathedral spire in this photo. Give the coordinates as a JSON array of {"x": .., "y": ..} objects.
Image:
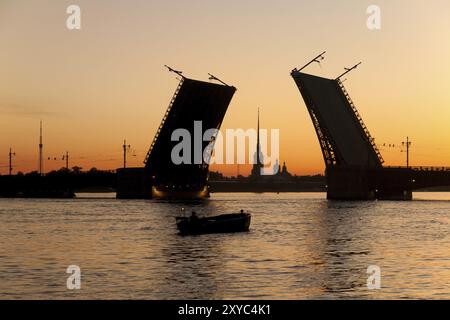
[
  {"x": 258, "y": 145},
  {"x": 258, "y": 158}
]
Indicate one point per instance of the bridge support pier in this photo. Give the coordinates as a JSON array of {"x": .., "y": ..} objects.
[
  {"x": 362, "y": 183},
  {"x": 133, "y": 183},
  {"x": 349, "y": 184}
]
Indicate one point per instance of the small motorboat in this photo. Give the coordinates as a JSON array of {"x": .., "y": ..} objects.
[{"x": 226, "y": 223}]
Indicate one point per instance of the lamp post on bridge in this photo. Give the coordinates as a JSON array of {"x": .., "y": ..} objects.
[
  {"x": 127, "y": 149},
  {"x": 64, "y": 157},
  {"x": 407, "y": 144}
]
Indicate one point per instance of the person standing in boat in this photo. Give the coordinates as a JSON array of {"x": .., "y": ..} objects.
[{"x": 194, "y": 217}]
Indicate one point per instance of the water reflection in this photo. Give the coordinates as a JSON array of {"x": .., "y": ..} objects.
[
  {"x": 300, "y": 246},
  {"x": 340, "y": 238}
]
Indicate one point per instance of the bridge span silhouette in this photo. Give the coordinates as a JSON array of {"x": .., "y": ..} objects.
[{"x": 354, "y": 165}]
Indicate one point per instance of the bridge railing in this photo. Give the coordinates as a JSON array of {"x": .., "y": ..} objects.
[
  {"x": 370, "y": 139},
  {"x": 417, "y": 168},
  {"x": 164, "y": 120}
]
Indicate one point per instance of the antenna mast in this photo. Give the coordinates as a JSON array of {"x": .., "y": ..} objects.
[
  {"x": 11, "y": 154},
  {"x": 180, "y": 73},
  {"x": 212, "y": 77},
  {"x": 317, "y": 59},
  {"x": 347, "y": 70}
]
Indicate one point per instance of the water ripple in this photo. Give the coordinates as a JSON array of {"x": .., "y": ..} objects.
[{"x": 300, "y": 247}]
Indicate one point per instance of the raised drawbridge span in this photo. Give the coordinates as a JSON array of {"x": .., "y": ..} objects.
[
  {"x": 195, "y": 104},
  {"x": 354, "y": 165}
]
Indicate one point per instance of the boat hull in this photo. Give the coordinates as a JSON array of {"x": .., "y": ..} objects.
[{"x": 229, "y": 223}]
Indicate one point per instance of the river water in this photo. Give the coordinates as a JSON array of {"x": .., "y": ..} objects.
[{"x": 300, "y": 247}]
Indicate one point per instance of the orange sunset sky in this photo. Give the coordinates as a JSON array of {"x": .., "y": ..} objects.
[{"x": 96, "y": 86}]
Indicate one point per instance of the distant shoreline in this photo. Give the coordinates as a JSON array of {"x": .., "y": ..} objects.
[{"x": 250, "y": 191}]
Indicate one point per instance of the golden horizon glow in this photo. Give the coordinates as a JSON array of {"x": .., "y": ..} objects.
[{"x": 95, "y": 87}]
